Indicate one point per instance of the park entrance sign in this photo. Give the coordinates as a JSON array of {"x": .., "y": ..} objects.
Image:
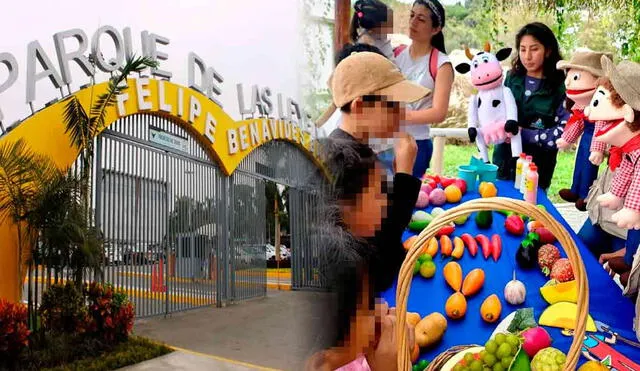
[{"x": 157, "y": 132}]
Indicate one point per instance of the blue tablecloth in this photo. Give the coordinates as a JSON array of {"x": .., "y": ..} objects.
[{"x": 606, "y": 302}]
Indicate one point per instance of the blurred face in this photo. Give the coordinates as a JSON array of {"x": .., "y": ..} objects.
[
  {"x": 580, "y": 86},
  {"x": 532, "y": 54},
  {"x": 364, "y": 216},
  {"x": 387, "y": 27},
  {"x": 377, "y": 117},
  {"x": 420, "y": 25}
]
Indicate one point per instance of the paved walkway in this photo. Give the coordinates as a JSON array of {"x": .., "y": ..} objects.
[
  {"x": 272, "y": 332},
  {"x": 183, "y": 360}
]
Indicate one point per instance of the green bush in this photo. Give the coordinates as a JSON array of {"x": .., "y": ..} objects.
[
  {"x": 110, "y": 311},
  {"x": 63, "y": 310}
]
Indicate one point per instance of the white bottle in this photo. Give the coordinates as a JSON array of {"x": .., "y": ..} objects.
[{"x": 525, "y": 169}]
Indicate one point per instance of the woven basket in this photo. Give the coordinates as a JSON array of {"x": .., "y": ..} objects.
[{"x": 495, "y": 204}]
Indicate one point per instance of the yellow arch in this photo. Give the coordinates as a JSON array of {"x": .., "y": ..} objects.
[{"x": 227, "y": 142}]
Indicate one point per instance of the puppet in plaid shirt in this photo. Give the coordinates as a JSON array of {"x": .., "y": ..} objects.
[
  {"x": 616, "y": 103},
  {"x": 584, "y": 69}
]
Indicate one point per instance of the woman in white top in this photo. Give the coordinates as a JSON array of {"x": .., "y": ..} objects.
[{"x": 426, "y": 63}]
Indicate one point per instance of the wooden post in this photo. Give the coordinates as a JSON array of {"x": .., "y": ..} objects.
[
  {"x": 438, "y": 154},
  {"x": 341, "y": 26}
]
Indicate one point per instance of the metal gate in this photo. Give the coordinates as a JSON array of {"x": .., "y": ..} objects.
[
  {"x": 161, "y": 211},
  {"x": 305, "y": 241}
]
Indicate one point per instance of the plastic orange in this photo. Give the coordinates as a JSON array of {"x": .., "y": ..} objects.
[
  {"x": 453, "y": 194},
  {"x": 488, "y": 189},
  {"x": 408, "y": 243}
]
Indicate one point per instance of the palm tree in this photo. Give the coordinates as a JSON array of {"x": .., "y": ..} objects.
[{"x": 83, "y": 127}]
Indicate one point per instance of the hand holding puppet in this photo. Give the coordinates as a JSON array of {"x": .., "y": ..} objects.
[
  {"x": 493, "y": 114},
  {"x": 616, "y": 105}
]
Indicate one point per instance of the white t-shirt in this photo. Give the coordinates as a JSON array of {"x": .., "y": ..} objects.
[{"x": 418, "y": 71}]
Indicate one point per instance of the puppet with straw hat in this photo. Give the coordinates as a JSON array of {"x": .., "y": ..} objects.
[{"x": 583, "y": 71}]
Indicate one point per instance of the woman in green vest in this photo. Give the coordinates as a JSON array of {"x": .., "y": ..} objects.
[{"x": 539, "y": 90}]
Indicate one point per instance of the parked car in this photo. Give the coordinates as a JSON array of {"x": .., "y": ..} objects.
[
  {"x": 271, "y": 252},
  {"x": 136, "y": 254},
  {"x": 113, "y": 253}
]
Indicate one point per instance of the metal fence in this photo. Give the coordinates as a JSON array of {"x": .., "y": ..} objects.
[
  {"x": 178, "y": 233},
  {"x": 305, "y": 242}
]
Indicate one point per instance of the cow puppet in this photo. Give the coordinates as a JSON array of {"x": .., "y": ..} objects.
[
  {"x": 616, "y": 104},
  {"x": 492, "y": 111}
]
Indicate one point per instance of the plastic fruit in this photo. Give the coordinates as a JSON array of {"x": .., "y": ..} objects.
[
  {"x": 423, "y": 200},
  {"x": 554, "y": 292},
  {"x": 563, "y": 315},
  {"x": 484, "y": 219},
  {"x": 548, "y": 359},
  {"x": 416, "y": 267},
  {"x": 408, "y": 243},
  {"x": 453, "y": 275},
  {"x": 545, "y": 235},
  {"x": 432, "y": 246},
  {"x": 491, "y": 309},
  {"x": 488, "y": 189},
  {"x": 471, "y": 243},
  {"x": 426, "y": 188},
  {"x": 431, "y": 183},
  {"x": 447, "y": 181},
  {"x": 485, "y": 244},
  {"x": 460, "y": 183},
  {"x": 593, "y": 366},
  {"x": 436, "y": 211},
  {"x": 413, "y": 318},
  {"x": 562, "y": 270},
  {"x": 430, "y": 329},
  {"x": 453, "y": 194},
  {"x": 447, "y": 230},
  {"x": 458, "y": 248},
  {"x": 419, "y": 221},
  {"x": 496, "y": 247},
  {"x": 514, "y": 291},
  {"x": 415, "y": 353},
  {"x": 446, "y": 246},
  {"x": 437, "y": 197},
  {"x": 514, "y": 225},
  {"x": 456, "y": 306},
  {"x": 473, "y": 282},
  {"x": 428, "y": 269},
  {"x": 535, "y": 339},
  {"x": 547, "y": 256},
  {"x": 461, "y": 219}
]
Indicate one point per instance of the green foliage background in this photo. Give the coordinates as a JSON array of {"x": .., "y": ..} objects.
[{"x": 612, "y": 26}]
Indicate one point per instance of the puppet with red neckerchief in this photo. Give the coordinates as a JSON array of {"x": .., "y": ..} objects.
[
  {"x": 616, "y": 103},
  {"x": 583, "y": 71}
]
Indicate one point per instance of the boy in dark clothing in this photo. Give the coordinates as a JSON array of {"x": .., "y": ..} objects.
[{"x": 367, "y": 216}]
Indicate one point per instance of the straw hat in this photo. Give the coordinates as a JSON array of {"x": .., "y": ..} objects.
[
  {"x": 624, "y": 77},
  {"x": 585, "y": 60}
]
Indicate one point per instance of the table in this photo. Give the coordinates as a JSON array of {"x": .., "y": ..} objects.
[{"x": 606, "y": 302}]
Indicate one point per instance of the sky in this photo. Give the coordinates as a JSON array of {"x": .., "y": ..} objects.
[{"x": 248, "y": 42}]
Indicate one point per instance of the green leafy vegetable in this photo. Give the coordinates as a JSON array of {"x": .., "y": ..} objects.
[{"x": 522, "y": 320}]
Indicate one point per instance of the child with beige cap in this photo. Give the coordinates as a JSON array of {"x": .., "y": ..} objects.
[{"x": 365, "y": 257}]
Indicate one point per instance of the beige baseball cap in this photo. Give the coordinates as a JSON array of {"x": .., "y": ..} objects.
[{"x": 367, "y": 73}]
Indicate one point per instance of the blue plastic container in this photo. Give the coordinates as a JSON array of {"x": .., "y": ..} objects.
[
  {"x": 488, "y": 173},
  {"x": 469, "y": 174}
]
